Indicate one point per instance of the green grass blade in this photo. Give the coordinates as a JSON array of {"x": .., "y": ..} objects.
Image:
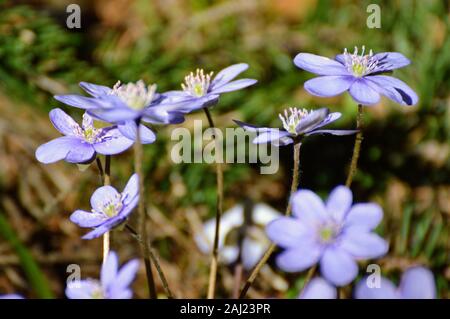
[{"x": 29, "y": 265}]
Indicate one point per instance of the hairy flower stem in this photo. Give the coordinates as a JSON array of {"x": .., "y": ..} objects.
[
  {"x": 154, "y": 260},
  {"x": 106, "y": 179},
  {"x": 271, "y": 249},
  {"x": 142, "y": 221},
  {"x": 219, "y": 210},
  {"x": 357, "y": 147}
]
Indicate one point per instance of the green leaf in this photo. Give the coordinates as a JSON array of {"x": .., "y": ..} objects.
[{"x": 29, "y": 265}]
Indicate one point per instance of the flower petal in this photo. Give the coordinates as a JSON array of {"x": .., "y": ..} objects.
[
  {"x": 252, "y": 252},
  {"x": 388, "y": 61},
  {"x": 63, "y": 122},
  {"x": 363, "y": 245},
  {"x": 82, "y": 152},
  {"x": 78, "y": 101},
  {"x": 330, "y": 85},
  {"x": 80, "y": 289},
  {"x": 386, "y": 289},
  {"x": 338, "y": 267},
  {"x": 113, "y": 142},
  {"x": 109, "y": 269},
  {"x": 363, "y": 93},
  {"x": 318, "y": 288},
  {"x": 332, "y": 132},
  {"x": 251, "y": 127},
  {"x": 102, "y": 196},
  {"x": 286, "y": 232},
  {"x": 312, "y": 120},
  {"x": 86, "y": 219},
  {"x": 339, "y": 202},
  {"x": 273, "y": 136},
  {"x": 331, "y": 117},
  {"x": 417, "y": 283},
  {"x": 234, "y": 86},
  {"x": 131, "y": 190},
  {"x": 121, "y": 294},
  {"x": 111, "y": 109},
  {"x": 60, "y": 148},
  {"x": 227, "y": 74},
  {"x": 105, "y": 227},
  {"x": 128, "y": 129},
  {"x": 124, "y": 277},
  {"x": 299, "y": 258},
  {"x": 393, "y": 88},
  {"x": 94, "y": 89},
  {"x": 319, "y": 65},
  {"x": 308, "y": 207},
  {"x": 364, "y": 215}
]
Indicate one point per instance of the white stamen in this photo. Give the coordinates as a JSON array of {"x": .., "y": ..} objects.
[
  {"x": 197, "y": 84},
  {"x": 112, "y": 207},
  {"x": 360, "y": 65},
  {"x": 135, "y": 95},
  {"x": 291, "y": 118}
]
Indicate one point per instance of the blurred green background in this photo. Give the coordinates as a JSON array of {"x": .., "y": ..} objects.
[{"x": 404, "y": 164}]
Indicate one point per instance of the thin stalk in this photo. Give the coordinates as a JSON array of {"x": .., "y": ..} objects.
[
  {"x": 106, "y": 179},
  {"x": 154, "y": 260},
  {"x": 219, "y": 210},
  {"x": 308, "y": 278},
  {"x": 357, "y": 147},
  {"x": 145, "y": 248},
  {"x": 271, "y": 249}
]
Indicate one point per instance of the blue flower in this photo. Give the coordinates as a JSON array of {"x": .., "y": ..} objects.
[
  {"x": 113, "y": 284},
  {"x": 80, "y": 144},
  {"x": 416, "y": 283},
  {"x": 334, "y": 234},
  {"x": 359, "y": 74},
  {"x": 318, "y": 288},
  {"x": 297, "y": 124},
  {"x": 198, "y": 86},
  {"x": 125, "y": 104},
  {"x": 109, "y": 208},
  {"x": 11, "y": 296}
]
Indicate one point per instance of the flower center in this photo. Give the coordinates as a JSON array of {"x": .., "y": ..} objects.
[
  {"x": 97, "y": 292},
  {"x": 135, "y": 95},
  {"x": 291, "y": 118},
  {"x": 360, "y": 65},
  {"x": 87, "y": 131},
  {"x": 90, "y": 134},
  {"x": 113, "y": 207},
  {"x": 328, "y": 232},
  {"x": 197, "y": 84}
]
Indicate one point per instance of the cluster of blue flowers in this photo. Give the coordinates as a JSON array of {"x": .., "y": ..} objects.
[{"x": 334, "y": 234}]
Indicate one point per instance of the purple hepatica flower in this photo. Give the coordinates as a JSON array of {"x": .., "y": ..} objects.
[
  {"x": 80, "y": 143},
  {"x": 360, "y": 74},
  {"x": 297, "y": 124},
  {"x": 416, "y": 283},
  {"x": 113, "y": 284},
  {"x": 199, "y": 86},
  {"x": 109, "y": 208},
  {"x": 318, "y": 288},
  {"x": 11, "y": 296},
  {"x": 334, "y": 234},
  {"x": 125, "y": 104}
]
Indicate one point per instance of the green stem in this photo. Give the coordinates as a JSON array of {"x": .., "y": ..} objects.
[
  {"x": 357, "y": 147},
  {"x": 145, "y": 248},
  {"x": 219, "y": 210},
  {"x": 271, "y": 249}
]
